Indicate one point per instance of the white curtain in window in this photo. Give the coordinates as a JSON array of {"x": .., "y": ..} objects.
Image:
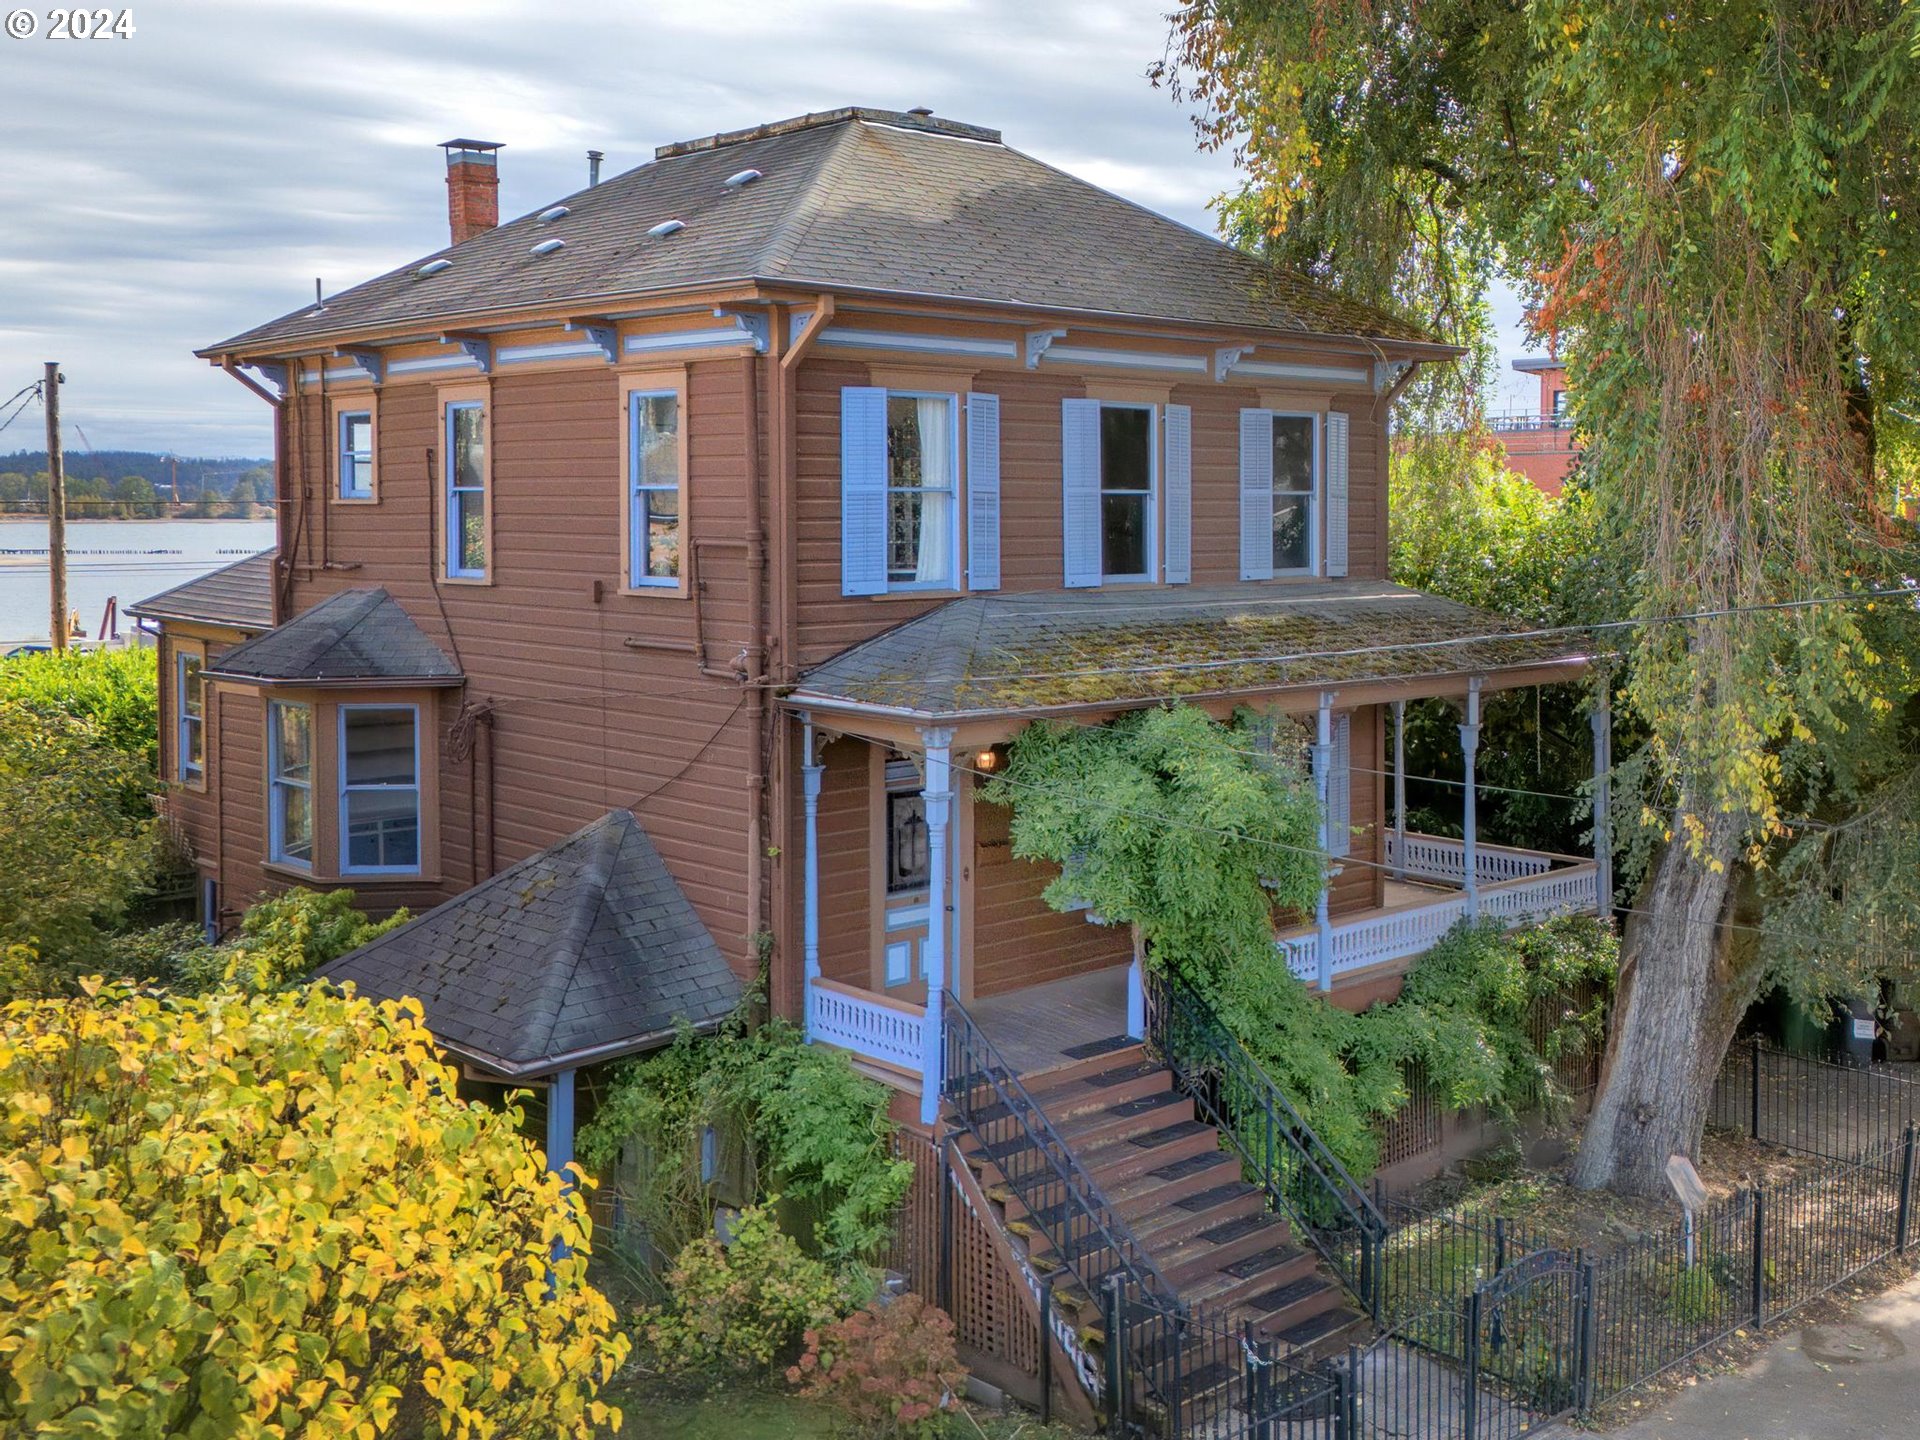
[{"x": 936, "y": 478}]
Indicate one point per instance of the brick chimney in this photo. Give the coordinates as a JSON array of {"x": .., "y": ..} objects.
[{"x": 473, "y": 187}]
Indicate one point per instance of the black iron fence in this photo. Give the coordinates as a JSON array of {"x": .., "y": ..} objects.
[{"x": 1813, "y": 1107}]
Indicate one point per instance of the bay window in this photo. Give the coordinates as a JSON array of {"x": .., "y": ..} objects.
[
  {"x": 379, "y": 789},
  {"x": 290, "y": 783},
  {"x": 922, "y": 481}
]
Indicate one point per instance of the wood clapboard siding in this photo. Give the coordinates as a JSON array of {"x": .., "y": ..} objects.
[
  {"x": 846, "y": 868},
  {"x": 583, "y": 722},
  {"x": 1017, "y": 939},
  {"x": 1030, "y": 491}
]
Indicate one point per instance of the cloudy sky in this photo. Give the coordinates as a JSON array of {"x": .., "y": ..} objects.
[{"x": 164, "y": 191}]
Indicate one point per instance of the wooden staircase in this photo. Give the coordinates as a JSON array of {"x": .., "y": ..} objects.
[{"x": 1181, "y": 1195}]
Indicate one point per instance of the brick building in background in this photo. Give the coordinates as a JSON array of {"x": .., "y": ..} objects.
[{"x": 1540, "y": 442}]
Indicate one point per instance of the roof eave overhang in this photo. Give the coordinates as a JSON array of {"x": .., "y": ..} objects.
[
  {"x": 242, "y": 627},
  {"x": 547, "y": 1065},
  {"x": 1426, "y": 684},
  {"x": 345, "y": 682},
  {"x": 236, "y": 349}
]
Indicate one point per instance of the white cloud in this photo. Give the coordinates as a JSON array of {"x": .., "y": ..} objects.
[{"x": 190, "y": 182}]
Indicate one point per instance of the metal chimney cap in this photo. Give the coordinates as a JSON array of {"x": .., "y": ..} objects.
[{"x": 923, "y": 111}]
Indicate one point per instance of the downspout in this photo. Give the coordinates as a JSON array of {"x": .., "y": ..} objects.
[
  {"x": 282, "y": 590},
  {"x": 754, "y": 666}
]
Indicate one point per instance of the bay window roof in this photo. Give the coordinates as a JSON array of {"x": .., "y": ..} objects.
[{"x": 356, "y": 637}]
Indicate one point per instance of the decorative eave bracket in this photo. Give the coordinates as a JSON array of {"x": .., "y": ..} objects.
[
  {"x": 372, "y": 364},
  {"x": 598, "y": 330},
  {"x": 756, "y": 325},
  {"x": 479, "y": 348},
  {"x": 1225, "y": 358},
  {"x": 1038, "y": 343},
  {"x": 1389, "y": 373}
]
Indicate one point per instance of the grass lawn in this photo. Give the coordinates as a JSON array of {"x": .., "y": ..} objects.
[{"x": 748, "y": 1415}]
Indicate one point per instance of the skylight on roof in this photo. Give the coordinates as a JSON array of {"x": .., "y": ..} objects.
[
  {"x": 547, "y": 247},
  {"x": 553, "y": 213},
  {"x": 666, "y": 228},
  {"x": 741, "y": 177},
  {"x": 434, "y": 267}
]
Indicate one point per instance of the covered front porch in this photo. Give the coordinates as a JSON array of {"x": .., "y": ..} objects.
[{"x": 910, "y": 893}]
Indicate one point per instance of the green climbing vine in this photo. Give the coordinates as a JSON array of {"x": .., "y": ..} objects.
[{"x": 1203, "y": 836}]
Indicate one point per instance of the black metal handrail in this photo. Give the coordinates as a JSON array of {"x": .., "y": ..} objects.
[
  {"x": 1065, "y": 1205},
  {"x": 1301, "y": 1175}
]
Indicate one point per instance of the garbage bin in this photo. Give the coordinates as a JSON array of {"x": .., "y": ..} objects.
[{"x": 1858, "y": 1030}]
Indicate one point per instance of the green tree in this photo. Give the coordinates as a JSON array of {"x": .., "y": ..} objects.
[
  {"x": 136, "y": 497},
  {"x": 1714, "y": 205},
  {"x": 74, "y": 854},
  {"x": 243, "y": 498}
]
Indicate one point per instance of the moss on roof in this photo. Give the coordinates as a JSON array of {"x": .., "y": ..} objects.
[{"x": 987, "y": 655}]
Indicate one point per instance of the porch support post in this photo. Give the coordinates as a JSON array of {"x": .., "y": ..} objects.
[
  {"x": 1603, "y": 802},
  {"x": 811, "y": 772},
  {"x": 936, "y": 789},
  {"x": 1322, "y": 773},
  {"x": 1399, "y": 789},
  {"x": 560, "y": 1122},
  {"x": 1470, "y": 820},
  {"x": 1137, "y": 991}
]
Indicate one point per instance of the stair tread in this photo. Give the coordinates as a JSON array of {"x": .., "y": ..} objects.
[
  {"x": 1207, "y": 1199},
  {"x": 1087, "y": 1121},
  {"x": 1292, "y": 1293},
  {"x": 1104, "y": 1046},
  {"x": 1317, "y": 1327}
]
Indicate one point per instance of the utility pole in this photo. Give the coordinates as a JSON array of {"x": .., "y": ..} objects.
[{"x": 56, "y": 505}]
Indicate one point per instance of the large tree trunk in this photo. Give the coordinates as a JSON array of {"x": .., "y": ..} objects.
[{"x": 1689, "y": 968}]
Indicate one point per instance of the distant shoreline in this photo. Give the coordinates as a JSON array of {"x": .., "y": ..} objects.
[{"x": 142, "y": 519}]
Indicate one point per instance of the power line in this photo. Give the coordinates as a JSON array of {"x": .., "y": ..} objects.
[{"x": 30, "y": 398}]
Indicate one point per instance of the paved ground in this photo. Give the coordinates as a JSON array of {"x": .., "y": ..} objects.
[{"x": 1856, "y": 1378}]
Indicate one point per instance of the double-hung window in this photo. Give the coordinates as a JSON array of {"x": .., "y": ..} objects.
[
  {"x": 290, "y": 783},
  {"x": 1296, "y": 495},
  {"x": 190, "y": 709},
  {"x": 654, "y": 526},
  {"x": 923, "y": 476},
  {"x": 355, "y": 442},
  {"x": 1126, "y": 492},
  {"x": 466, "y": 482},
  {"x": 379, "y": 789}
]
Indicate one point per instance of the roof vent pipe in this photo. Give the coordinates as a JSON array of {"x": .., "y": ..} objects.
[
  {"x": 594, "y": 157},
  {"x": 925, "y": 112}
]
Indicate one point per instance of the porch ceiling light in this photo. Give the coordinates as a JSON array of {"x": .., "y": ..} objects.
[{"x": 991, "y": 760}]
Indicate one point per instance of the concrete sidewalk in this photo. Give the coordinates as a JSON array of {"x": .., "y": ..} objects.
[{"x": 1857, "y": 1378}]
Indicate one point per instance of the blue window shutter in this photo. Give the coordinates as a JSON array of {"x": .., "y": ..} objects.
[
  {"x": 1340, "y": 788},
  {"x": 1080, "y": 491},
  {"x": 983, "y": 492},
  {"x": 1336, "y": 493},
  {"x": 1179, "y": 492},
  {"x": 1256, "y": 494},
  {"x": 863, "y": 490}
]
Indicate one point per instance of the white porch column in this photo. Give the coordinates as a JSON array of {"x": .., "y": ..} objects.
[
  {"x": 1137, "y": 991},
  {"x": 811, "y": 771},
  {"x": 936, "y": 789},
  {"x": 1603, "y": 802},
  {"x": 1322, "y": 775},
  {"x": 1399, "y": 789},
  {"x": 1470, "y": 820}
]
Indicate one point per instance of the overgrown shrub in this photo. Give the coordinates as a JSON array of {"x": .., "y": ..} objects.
[
  {"x": 74, "y": 853},
  {"x": 282, "y": 940},
  {"x": 115, "y": 691},
  {"x": 1693, "y": 1296},
  {"x": 259, "y": 1215},
  {"x": 739, "y": 1308},
  {"x": 890, "y": 1368},
  {"x": 816, "y": 1131}
]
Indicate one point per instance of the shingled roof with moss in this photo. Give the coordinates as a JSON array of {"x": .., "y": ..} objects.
[
  {"x": 850, "y": 200},
  {"x": 1000, "y": 654}
]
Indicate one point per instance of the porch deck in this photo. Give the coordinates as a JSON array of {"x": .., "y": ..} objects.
[{"x": 1047, "y": 1026}]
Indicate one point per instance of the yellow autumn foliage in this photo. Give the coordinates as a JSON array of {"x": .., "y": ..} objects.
[{"x": 269, "y": 1215}]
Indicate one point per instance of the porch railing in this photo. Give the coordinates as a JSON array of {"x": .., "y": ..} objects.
[
  {"x": 1409, "y": 930},
  {"x": 1443, "y": 859},
  {"x": 1084, "y": 1232},
  {"x": 1303, "y": 1179},
  {"x": 874, "y": 1027}
]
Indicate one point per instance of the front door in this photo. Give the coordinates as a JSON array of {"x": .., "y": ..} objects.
[{"x": 902, "y": 883}]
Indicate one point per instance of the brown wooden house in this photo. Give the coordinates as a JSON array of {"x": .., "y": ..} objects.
[{"x": 761, "y": 491}]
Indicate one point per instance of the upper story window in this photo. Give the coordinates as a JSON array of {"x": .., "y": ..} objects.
[
  {"x": 654, "y": 479},
  {"x": 190, "y": 710},
  {"x": 923, "y": 477},
  {"x": 1127, "y": 474},
  {"x": 379, "y": 789},
  {"x": 290, "y": 783},
  {"x": 355, "y": 444},
  {"x": 1296, "y": 495},
  {"x": 466, "y": 490},
  {"x": 1559, "y": 404}
]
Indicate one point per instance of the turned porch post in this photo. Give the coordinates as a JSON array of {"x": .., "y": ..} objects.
[
  {"x": 1322, "y": 774},
  {"x": 936, "y": 789},
  {"x": 1399, "y": 789},
  {"x": 1603, "y": 803},
  {"x": 1470, "y": 819},
  {"x": 811, "y": 771}
]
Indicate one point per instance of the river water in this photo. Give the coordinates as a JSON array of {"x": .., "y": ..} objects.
[{"x": 130, "y": 559}]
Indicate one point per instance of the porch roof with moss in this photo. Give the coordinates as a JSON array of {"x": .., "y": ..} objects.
[{"x": 1054, "y": 651}]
